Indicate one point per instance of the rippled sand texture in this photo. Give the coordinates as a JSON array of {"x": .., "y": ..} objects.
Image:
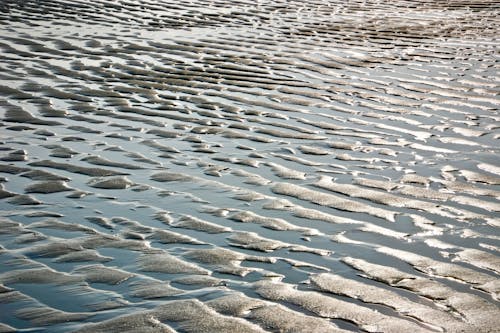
[{"x": 249, "y": 166}]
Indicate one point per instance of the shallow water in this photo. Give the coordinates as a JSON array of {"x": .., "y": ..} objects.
[{"x": 232, "y": 166}]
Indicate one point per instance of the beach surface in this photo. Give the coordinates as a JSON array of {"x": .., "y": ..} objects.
[{"x": 249, "y": 166}]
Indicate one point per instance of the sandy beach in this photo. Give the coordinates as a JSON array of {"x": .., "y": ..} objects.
[{"x": 249, "y": 166}]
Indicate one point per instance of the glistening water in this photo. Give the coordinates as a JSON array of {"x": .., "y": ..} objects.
[{"x": 249, "y": 166}]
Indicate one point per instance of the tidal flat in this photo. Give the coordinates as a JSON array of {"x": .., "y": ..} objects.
[{"x": 249, "y": 166}]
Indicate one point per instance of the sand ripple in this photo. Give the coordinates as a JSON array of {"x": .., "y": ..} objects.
[{"x": 242, "y": 166}]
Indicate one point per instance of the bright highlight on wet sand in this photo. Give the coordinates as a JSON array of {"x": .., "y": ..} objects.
[{"x": 249, "y": 166}]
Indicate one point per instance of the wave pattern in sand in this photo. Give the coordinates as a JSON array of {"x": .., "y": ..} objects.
[{"x": 249, "y": 166}]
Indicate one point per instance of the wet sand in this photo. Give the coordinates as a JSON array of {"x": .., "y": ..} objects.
[{"x": 240, "y": 166}]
